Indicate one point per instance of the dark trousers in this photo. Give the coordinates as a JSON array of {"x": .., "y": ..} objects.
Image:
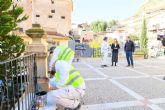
[
  {"x": 129, "y": 57},
  {"x": 114, "y": 57}
]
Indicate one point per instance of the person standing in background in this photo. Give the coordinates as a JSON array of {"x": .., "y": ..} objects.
[
  {"x": 115, "y": 50},
  {"x": 104, "y": 51},
  {"x": 129, "y": 49}
]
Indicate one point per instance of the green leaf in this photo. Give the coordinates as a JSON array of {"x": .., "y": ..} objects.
[
  {"x": 98, "y": 26},
  {"x": 11, "y": 46},
  {"x": 144, "y": 38}
]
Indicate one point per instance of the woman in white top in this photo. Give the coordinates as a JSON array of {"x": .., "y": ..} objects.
[{"x": 104, "y": 51}]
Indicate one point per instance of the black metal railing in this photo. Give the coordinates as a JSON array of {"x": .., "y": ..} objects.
[
  {"x": 18, "y": 83},
  {"x": 97, "y": 52}
]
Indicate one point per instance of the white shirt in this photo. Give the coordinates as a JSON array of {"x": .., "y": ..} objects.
[
  {"x": 63, "y": 68},
  {"x": 54, "y": 57},
  {"x": 104, "y": 47}
]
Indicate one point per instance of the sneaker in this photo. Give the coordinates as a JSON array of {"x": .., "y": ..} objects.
[
  {"x": 102, "y": 66},
  {"x": 105, "y": 65},
  {"x": 128, "y": 66},
  {"x": 163, "y": 78}
]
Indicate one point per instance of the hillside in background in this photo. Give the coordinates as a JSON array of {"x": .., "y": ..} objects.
[{"x": 150, "y": 6}]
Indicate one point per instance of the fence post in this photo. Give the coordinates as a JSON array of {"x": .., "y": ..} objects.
[
  {"x": 93, "y": 53},
  {"x": 35, "y": 74},
  {"x": 39, "y": 46}
]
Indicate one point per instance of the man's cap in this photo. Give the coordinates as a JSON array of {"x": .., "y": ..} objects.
[{"x": 52, "y": 49}]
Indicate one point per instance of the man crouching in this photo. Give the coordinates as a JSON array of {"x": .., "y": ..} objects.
[{"x": 70, "y": 86}]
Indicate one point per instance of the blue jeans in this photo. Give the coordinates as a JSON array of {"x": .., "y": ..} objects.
[{"x": 129, "y": 57}]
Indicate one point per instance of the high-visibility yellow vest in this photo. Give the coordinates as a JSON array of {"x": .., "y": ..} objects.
[
  {"x": 66, "y": 54},
  {"x": 74, "y": 78}
]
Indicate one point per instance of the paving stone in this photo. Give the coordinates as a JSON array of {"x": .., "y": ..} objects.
[
  {"x": 78, "y": 65},
  {"x": 88, "y": 73},
  {"x": 161, "y": 77},
  {"x": 133, "y": 108},
  {"x": 109, "y": 93},
  {"x": 103, "y": 91},
  {"x": 118, "y": 72},
  {"x": 162, "y": 106},
  {"x": 147, "y": 87},
  {"x": 151, "y": 70}
]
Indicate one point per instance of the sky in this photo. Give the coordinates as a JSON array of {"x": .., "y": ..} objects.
[{"x": 91, "y": 10}]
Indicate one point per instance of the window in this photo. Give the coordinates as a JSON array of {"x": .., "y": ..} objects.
[
  {"x": 52, "y": 1},
  {"x": 62, "y": 17},
  {"x": 52, "y": 11},
  {"x": 37, "y": 15},
  {"x": 50, "y": 16}
]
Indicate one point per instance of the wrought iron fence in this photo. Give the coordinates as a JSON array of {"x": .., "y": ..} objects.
[
  {"x": 97, "y": 52},
  {"x": 18, "y": 83}
]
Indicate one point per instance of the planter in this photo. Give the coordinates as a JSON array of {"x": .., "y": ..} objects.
[{"x": 36, "y": 31}]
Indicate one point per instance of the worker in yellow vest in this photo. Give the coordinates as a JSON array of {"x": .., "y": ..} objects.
[
  {"x": 70, "y": 84},
  {"x": 60, "y": 53}
]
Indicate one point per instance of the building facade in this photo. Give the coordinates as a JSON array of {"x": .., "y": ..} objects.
[
  {"x": 54, "y": 16},
  {"x": 155, "y": 27}
]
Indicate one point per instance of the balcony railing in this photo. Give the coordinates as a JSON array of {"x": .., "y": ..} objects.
[{"x": 18, "y": 83}]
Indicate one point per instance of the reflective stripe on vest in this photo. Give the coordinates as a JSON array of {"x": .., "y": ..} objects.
[
  {"x": 64, "y": 51},
  {"x": 74, "y": 78},
  {"x": 72, "y": 71},
  {"x": 66, "y": 54}
]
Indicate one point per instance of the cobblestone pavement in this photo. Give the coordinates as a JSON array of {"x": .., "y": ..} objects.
[{"x": 123, "y": 88}]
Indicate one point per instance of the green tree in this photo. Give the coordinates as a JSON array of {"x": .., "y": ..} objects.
[
  {"x": 134, "y": 37},
  {"x": 144, "y": 38},
  {"x": 96, "y": 43},
  {"x": 11, "y": 45},
  {"x": 98, "y": 26},
  {"x": 112, "y": 23}
]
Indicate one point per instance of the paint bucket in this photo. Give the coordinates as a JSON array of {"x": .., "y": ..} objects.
[{"x": 41, "y": 99}]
